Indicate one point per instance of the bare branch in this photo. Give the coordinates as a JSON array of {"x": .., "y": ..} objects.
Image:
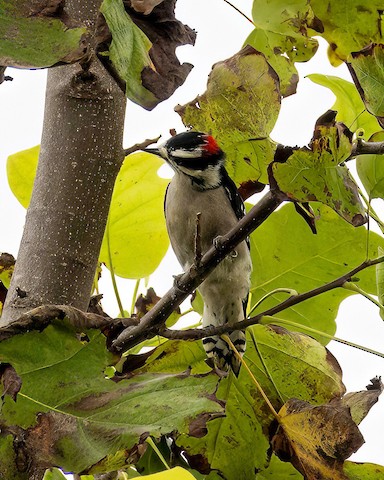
[
  {"x": 362, "y": 147},
  {"x": 197, "y": 333},
  {"x": 140, "y": 146},
  {"x": 151, "y": 324},
  {"x": 41, "y": 317}
]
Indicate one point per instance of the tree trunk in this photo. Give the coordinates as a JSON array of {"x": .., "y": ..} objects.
[{"x": 81, "y": 153}]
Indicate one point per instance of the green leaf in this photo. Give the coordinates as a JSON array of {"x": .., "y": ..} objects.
[
  {"x": 128, "y": 52},
  {"x": 347, "y": 26},
  {"x": 136, "y": 234},
  {"x": 349, "y": 106},
  {"x": 308, "y": 176},
  {"x": 281, "y": 35},
  {"x": 315, "y": 174},
  {"x": 370, "y": 169},
  {"x": 63, "y": 386},
  {"x": 367, "y": 68},
  {"x": 21, "y": 172},
  {"x": 285, "y": 253},
  {"x": 54, "y": 474},
  {"x": 287, "y": 29},
  {"x": 363, "y": 471},
  {"x": 31, "y": 39},
  {"x": 278, "y": 470},
  {"x": 9, "y": 459},
  {"x": 289, "y": 19},
  {"x": 177, "y": 356},
  {"x": 276, "y": 48},
  {"x": 313, "y": 375},
  {"x": 270, "y": 347},
  {"x": 240, "y": 108}
]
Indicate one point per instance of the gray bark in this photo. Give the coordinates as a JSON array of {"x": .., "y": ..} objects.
[{"x": 81, "y": 153}]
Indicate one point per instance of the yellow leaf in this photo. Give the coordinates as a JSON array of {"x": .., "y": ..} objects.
[
  {"x": 316, "y": 439},
  {"x": 176, "y": 473}
]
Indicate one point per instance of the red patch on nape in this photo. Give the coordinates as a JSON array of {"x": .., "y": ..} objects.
[{"x": 211, "y": 145}]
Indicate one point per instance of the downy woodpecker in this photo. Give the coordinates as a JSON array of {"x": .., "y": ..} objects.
[{"x": 201, "y": 185}]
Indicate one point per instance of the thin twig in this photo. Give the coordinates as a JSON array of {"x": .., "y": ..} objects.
[
  {"x": 241, "y": 13},
  {"x": 195, "y": 334},
  {"x": 40, "y": 317},
  {"x": 140, "y": 146}
]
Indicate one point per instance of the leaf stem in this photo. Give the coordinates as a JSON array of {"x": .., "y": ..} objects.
[
  {"x": 157, "y": 451},
  {"x": 134, "y": 295},
  {"x": 258, "y": 386},
  {"x": 282, "y": 321},
  {"x": 371, "y": 211},
  {"x": 354, "y": 288},
  {"x": 266, "y": 367},
  {"x": 113, "y": 278}
]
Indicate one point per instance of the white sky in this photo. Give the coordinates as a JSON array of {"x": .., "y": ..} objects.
[{"x": 221, "y": 32}]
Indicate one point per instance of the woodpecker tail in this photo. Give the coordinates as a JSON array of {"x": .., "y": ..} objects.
[{"x": 221, "y": 353}]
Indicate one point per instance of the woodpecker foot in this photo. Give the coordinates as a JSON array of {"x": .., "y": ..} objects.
[{"x": 211, "y": 363}]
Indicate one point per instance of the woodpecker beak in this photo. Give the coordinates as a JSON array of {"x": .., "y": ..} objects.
[
  {"x": 154, "y": 151},
  {"x": 161, "y": 152}
]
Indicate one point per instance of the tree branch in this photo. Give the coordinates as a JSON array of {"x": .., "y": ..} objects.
[
  {"x": 361, "y": 147},
  {"x": 40, "y": 317},
  {"x": 140, "y": 146},
  {"x": 152, "y": 323},
  {"x": 197, "y": 333}
]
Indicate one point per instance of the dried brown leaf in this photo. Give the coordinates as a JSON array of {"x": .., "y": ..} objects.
[
  {"x": 10, "y": 380},
  {"x": 316, "y": 439}
]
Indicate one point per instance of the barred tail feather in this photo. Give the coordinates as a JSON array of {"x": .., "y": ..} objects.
[{"x": 221, "y": 353}]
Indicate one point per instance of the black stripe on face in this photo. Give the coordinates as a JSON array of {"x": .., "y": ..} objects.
[{"x": 198, "y": 163}]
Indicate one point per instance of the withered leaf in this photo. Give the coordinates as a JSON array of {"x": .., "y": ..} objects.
[
  {"x": 366, "y": 68},
  {"x": 166, "y": 34},
  {"x": 7, "y": 264},
  {"x": 316, "y": 439},
  {"x": 10, "y": 380},
  {"x": 361, "y": 402},
  {"x": 318, "y": 173},
  {"x": 145, "y": 302}
]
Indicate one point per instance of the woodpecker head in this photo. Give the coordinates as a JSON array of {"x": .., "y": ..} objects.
[{"x": 196, "y": 155}]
